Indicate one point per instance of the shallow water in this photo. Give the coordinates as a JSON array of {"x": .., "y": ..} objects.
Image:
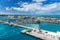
[
  {"x": 14, "y": 33},
  {"x": 50, "y": 27}
]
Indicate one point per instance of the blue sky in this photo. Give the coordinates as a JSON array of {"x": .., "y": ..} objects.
[{"x": 30, "y": 7}]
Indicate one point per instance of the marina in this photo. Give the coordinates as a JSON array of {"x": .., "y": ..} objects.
[
  {"x": 42, "y": 34},
  {"x": 35, "y": 32},
  {"x": 29, "y": 19}
]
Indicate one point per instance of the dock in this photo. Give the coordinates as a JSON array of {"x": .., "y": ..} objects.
[
  {"x": 15, "y": 24},
  {"x": 41, "y": 34}
]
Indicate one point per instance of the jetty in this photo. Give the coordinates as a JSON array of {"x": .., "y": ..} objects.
[
  {"x": 42, "y": 34},
  {"x": 15, "y": 24}
]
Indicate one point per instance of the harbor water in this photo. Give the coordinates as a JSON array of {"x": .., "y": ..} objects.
[{"x": 8, "y": 32}]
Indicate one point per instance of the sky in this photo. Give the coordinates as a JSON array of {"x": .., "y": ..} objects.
[{"x": 30, "y": 7}]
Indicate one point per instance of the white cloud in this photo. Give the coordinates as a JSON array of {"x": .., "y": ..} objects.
[
  {"x": 37, "y": 8},
  {"x": 5, "y": 13},
  {"x": 49, "y": 6},
  {"x": 28, "y": 7},
  {"x": 39, "y": 0},
  {"x": 7, "y": 8}
]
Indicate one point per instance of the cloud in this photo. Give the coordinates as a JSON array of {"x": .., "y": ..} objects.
[
  {"x": 5, "y": 13},
  {"x": 39, "y": 0},
  {"x": 7, "y": 8},
  {"x": 38, "y": 8}
]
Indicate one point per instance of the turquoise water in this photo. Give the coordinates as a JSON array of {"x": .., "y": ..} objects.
[
  {"x": 50, "y": 27},
  {"x": 14, "y": 33}
]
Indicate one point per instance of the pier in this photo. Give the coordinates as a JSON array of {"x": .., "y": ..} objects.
[
  {"x": 15, "y": 24},
  {"x": 42, "y": 34}
]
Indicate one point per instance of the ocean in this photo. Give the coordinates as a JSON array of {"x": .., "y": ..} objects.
[{"x": 8, "y": 32}]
